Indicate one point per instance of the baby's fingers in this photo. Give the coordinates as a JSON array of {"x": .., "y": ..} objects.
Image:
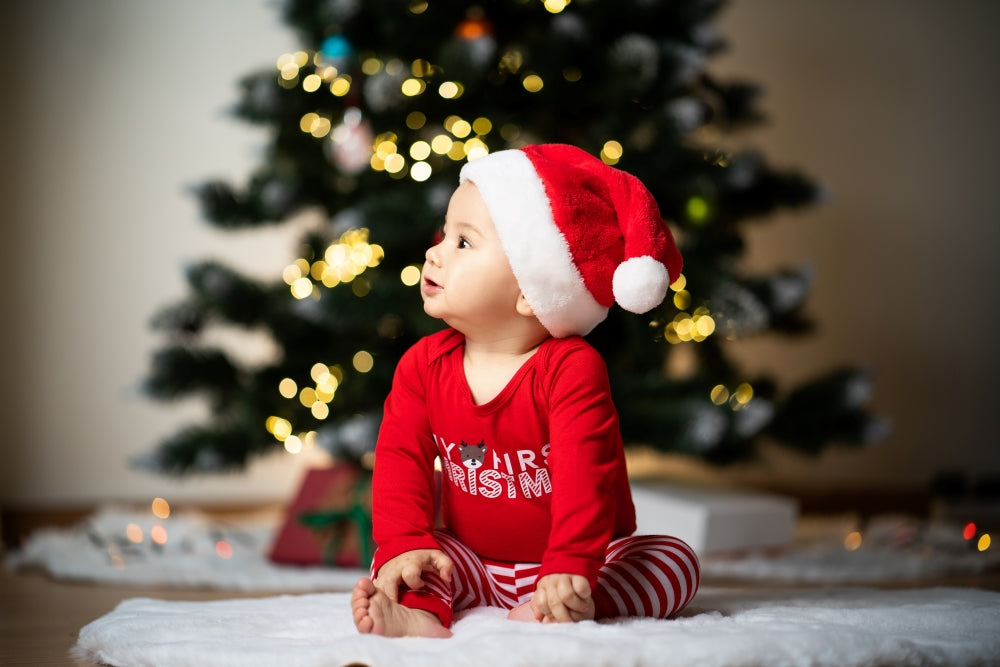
[
  {"x": 389, "y": 586},
  {"x": 412, "y": 576},
  {"x": 444, "y": 565}
]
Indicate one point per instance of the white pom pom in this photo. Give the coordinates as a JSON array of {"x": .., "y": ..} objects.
[{"x": 640, "y": 283}]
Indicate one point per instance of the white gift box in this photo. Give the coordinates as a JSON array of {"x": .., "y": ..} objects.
[{"x": 714, "y": 519}]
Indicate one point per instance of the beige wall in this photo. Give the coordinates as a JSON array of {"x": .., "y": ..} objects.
[
  {"x": 113, "y": 107},
  {"x": 894, "y": 106}
]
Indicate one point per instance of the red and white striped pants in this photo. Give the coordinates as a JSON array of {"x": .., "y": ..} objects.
[{"x": 643, "y": 575}]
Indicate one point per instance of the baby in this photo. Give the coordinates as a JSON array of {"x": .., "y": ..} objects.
[{"x": 536, "y": 511}]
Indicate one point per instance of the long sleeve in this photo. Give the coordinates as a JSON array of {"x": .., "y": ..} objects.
[
  {"x": 586, "y": 462},
  {"x": 403, "y": 479}
]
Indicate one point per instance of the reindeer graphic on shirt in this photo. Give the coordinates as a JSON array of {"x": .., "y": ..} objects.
[{"x": 523, "y": 472}]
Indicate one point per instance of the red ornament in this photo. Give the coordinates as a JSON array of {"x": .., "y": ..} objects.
[
  {"x": 969, "y": 531},
  {"x": 473, "y": 28}
]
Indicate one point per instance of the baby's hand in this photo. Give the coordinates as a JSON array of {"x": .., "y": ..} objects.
[
  {"x": 408, "y": 567},
  {"x": 560, "y": 598}
]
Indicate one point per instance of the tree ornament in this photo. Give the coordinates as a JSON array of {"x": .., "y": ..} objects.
[
  {"x": 474, "y": 27},
  {"x": 335, "y": 50},
  {"x": 350, "y": 145},
  {"x": 636, "y": 60},
  {"x": 384, "y": 90}
]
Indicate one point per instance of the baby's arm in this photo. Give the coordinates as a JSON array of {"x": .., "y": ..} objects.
[
  {"x": 560, "y": 598},
  {"x": 408, "y": 567}
]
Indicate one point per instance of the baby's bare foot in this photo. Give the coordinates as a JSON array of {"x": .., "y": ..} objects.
[
  {"x": 522, "y": 612},
  {"x": 376, "y": 613}
]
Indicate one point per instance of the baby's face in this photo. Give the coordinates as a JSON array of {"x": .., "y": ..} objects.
[{"x": 467, "y": 280}]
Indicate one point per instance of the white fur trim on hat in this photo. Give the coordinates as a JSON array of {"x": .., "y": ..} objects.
[{"x": 537, "y": 251}]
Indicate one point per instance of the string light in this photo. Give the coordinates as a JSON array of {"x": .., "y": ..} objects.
[
  {"x": 441, "y": 144},
  {"x": 853, "y": 541},
  {"x": 316, "y": 399},
  {"x": 158, "y": 534},
  {"x": 737, "y": 399},
  {"x": 698, "y": 210},
  {"x": 293, "y": 445},
  {"x": 115, "y": 556},
  {"x": 423, "y": 68},
  {"x": 413, "y": 87},
  {"x": 555, "y": 6},
  {"x": 719, "y": 394},
  {"x": 482, "y": 126},
  {"x": 451, "y": 90},
  {"x": 315, "y": 124},
  {"x": 342, "y": 262},
  {"x": 363, "y": 361},
  {"x": 460, "y": 128},
  {"x": 415, "y": 120},
  {"x": 311, "y": 83},
  {"x": 984, "y": 542},
  {"x": 161, "y": 508},
  {"x": 420, "y": 171},
  {"x": 741, "y": 396},
  {"x": 695, "y": 327},
  {"x": 224, "y": 549},
  {"x": 278, "y": 427},
  {"x": 611, "y": 152},
  {"x": 307, "y": 397},
  {"x": 341, "y": 85},
  {"x": 289, "y": 65},
  {"x": 410, "y": 275},
  {"x": 287, "y": 388},
  {"x": 511, "y": 61},
  {"x": 475, "y": 148},
  {"x": 134, "y": 533},
  {"x": 420, "y": 150},
  {"x": 457, "y": 150},
  {"x": 395, "y": 163},
  {"x": 532, "y": 82}
]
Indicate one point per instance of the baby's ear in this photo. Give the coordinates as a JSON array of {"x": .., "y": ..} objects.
[{"x": 523, "y": 307}]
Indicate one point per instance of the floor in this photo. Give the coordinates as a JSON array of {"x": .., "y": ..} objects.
[{"x": 40, "y": 617}]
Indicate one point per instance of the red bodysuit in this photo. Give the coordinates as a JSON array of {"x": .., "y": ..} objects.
[{"x": 536, "y": 475}]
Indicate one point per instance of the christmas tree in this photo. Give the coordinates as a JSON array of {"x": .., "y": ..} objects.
[{"x": 370, "y": 123}]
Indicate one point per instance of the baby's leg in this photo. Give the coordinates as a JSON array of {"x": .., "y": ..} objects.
[
  {"x": 646, "y": 575},
  {"x": 376, "y": 613}
]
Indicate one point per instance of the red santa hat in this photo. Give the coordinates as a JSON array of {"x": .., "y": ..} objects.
[{"x": 579, "y": 234}]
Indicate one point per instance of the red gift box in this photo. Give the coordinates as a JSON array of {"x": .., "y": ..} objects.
[{"x": 329, "y": 520}]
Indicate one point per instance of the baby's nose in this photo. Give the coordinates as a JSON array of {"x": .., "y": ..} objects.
[{"x": 431, "y": 255}]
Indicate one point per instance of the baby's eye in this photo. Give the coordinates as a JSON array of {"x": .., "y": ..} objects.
[{"x": 463, "y": 242}]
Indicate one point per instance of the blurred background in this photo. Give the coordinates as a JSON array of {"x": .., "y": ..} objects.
[{"x": 115, "y": 109}]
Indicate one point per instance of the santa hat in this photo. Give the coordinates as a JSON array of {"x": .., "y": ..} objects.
[{"x": 579, "y": 234}]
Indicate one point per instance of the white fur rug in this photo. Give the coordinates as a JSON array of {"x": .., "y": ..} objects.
[
  {"x": 849, "y": 626},
  {"x": 100, "y": 550}
]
